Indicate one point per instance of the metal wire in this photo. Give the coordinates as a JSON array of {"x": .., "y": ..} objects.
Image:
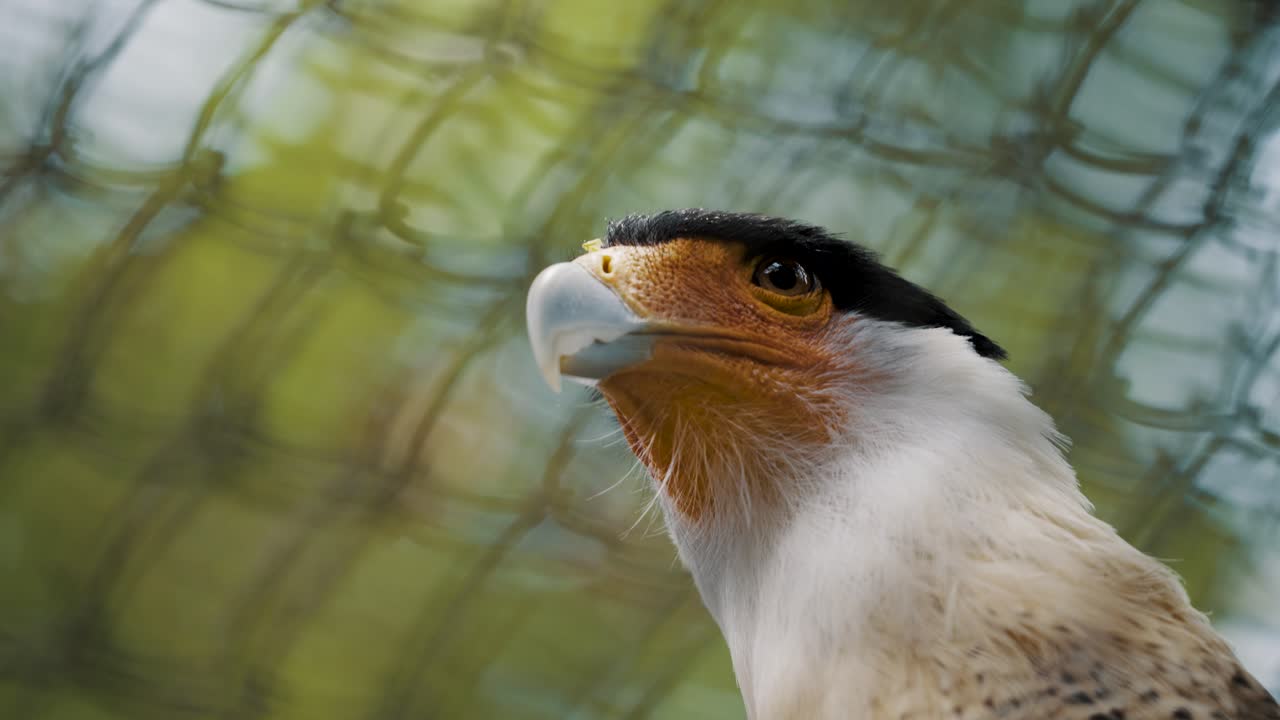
[{"x": 271, "y": 444}]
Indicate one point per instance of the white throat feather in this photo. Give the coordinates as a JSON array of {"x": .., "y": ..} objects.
[{"x": 946, "y": 497}]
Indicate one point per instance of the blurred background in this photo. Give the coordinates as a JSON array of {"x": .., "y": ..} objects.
[{"x": 272, "y": 444}]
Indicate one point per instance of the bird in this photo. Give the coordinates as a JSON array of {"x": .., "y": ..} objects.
[{"x": 880, "y": 521}]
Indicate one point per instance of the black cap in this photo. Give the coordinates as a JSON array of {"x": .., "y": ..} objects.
[{"x": 854, "y": 275}]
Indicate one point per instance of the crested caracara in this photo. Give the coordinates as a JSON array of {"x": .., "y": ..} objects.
[{"x": 881, "y": 523}]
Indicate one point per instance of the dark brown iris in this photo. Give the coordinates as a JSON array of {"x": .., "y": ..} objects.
[{"x": 784, "y": 277}]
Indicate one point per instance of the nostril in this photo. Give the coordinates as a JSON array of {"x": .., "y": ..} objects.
[{"x": 606, "y": 264}]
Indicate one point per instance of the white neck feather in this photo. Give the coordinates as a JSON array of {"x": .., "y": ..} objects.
[{"x": 948, "y": 477}]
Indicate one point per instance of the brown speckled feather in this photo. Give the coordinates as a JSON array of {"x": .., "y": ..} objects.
[
  {"x": 1123, "y": 643},
  {"x": 1157, "y": 663},
  {"x": 1082, "y": 688}
]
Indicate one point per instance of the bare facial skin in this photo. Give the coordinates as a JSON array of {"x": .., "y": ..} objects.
[{"x": 736, "y": 361}]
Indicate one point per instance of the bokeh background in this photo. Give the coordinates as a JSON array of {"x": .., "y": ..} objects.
[{"x": 271, "y": 441}]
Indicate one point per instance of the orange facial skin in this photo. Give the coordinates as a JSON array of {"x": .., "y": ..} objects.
[{"x": 735, "y": 387}]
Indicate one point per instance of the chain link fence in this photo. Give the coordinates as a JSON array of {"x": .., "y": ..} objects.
[{"x": 271, "y": 441}]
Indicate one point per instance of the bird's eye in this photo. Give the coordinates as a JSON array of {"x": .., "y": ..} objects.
[{"x": 784, "y": 276}]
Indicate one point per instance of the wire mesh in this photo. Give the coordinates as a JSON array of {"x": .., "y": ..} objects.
[{"x": 271, "y": 441}]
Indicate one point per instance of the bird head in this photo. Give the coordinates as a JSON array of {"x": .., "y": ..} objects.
[{"x": 738, "y": 350}]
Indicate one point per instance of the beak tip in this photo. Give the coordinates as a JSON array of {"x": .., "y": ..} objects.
[
  {"x": 546, "y": 360},
  {"x": 552, "y": 376},
  {"x": 570, "y": 314}
]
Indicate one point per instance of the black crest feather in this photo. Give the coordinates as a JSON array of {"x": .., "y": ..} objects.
[{"x": 854, "y": 275}]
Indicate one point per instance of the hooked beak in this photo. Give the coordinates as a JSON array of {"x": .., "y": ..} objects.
[{"x": 580, "y": 328}]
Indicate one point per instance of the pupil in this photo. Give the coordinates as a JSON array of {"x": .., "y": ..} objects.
[{"x": 782, "y": 276}]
